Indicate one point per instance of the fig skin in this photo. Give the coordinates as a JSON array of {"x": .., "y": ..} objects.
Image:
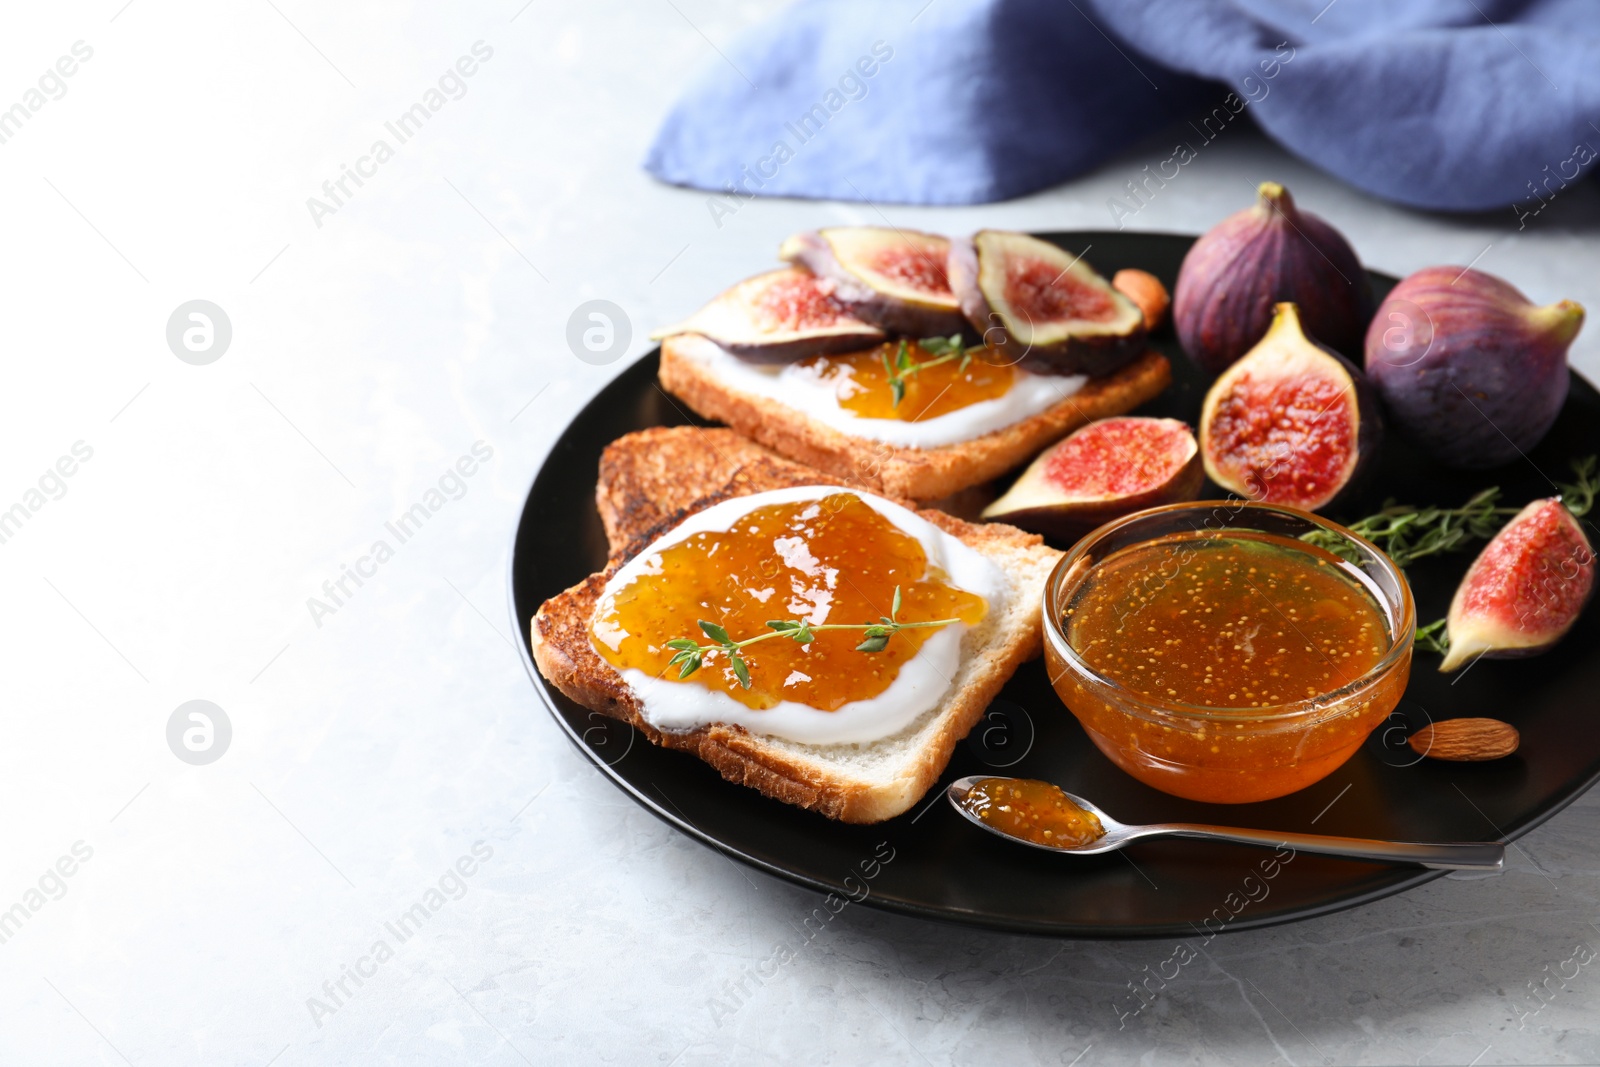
[
  {"x": 1468, "y": 367},
  {"x": 1526, "y": 588},
  {"x": 1288, "y": 355},
  {"x": 1039, "y": 503},
  {"x": 871, "y": 297},
  {"x": 737, "y": 321},
  {"x": 1096, "y": 349},
  {"x": 1267, "y": 254}
]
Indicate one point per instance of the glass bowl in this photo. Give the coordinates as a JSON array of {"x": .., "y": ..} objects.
[{"x": 1228, "y": 755}]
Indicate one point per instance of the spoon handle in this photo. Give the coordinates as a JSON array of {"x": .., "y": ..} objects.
[{"x": 1453, "y": 855}]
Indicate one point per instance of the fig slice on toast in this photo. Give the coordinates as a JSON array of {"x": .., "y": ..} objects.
[
  {"x": 1526, "y": 588},
  {"x": 1104, "y": 471},
  {"x": 1043, "y": 306},
  {"x": 895, "y": 279},
  {"x": 779, "y": 316}
]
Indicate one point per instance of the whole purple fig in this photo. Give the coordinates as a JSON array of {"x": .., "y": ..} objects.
[
  {"x": 1269, "y": 253},
  {"x": 1468, "y": 367}
]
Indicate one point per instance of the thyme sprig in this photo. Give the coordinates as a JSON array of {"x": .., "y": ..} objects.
[
  {"x": 1409, "y": 533},
  {"x": 690, "y": 654},
  {"x": 1579, "y": 495},
  {"x": 1433, "y": 637},
  {"x": 945, "y": 349}
]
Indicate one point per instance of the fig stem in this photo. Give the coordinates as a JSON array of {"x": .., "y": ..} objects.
[
  {"x": 1286, "y": 317},
  {"x": 1275, "y": 197},
  {"x": 1561, "y": 320}
]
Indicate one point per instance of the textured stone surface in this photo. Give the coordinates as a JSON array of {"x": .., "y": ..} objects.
[{"x": 374, "y": 745}]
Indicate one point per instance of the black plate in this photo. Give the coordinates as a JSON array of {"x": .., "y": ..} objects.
[{"x": 944, "y": 868}]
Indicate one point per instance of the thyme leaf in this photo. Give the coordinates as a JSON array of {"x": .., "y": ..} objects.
[
  {"x": 690, "y": 654},
  {"x": 1433, "y": 637},
  {"x": 903, "y": 367},
  {"x": 1409, "y": 533}
]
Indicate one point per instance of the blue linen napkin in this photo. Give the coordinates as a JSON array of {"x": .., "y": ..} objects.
[{"x": 1440, "y": 104}]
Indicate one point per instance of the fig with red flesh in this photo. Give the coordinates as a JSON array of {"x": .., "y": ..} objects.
[
  {"x": 779, "y": 316},
  {"x": 1101, "y": 472},
  {"x": 1043, "y": 307},
  {"x": 1267, "y": 254},
  {"x": 1468, "y": 367},
  {"x": 1289, "y": 423},
  {"x": 894, "y": 279},
  {"x": 1525, "y": 589}
]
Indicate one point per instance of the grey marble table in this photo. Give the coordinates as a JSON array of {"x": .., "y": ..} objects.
[{"x": 396, "y": 857}]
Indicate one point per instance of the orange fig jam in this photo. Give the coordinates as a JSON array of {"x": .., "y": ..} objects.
[
  {"x": 1231, "y": 662},
  {"x": 1247, "y": 621},
  {"x": 832, "y": 560},
  {"x": 861, "y": 382},
  {"x": 1032, "y": 810}
]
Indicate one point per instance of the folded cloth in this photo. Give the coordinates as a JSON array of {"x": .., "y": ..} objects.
[{"x": 1440, "y": 104}]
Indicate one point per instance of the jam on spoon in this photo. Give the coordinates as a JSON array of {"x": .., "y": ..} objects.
[
  {"x": 1044, "y": 816},
  {"x": 1032, "y": 810}
]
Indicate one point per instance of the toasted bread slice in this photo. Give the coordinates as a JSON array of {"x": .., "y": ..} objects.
[
  {"x": 921, "y": 474},
  {"x": 649, "y": 476},
  {"x": 860, "y": 783}
]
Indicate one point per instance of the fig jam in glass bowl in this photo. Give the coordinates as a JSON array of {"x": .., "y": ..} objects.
[{"x": 1211, "y": 653}]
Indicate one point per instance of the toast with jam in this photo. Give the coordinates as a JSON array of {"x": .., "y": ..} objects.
[
  {"x": 915, "y": 364},
  {"x": 654, "y": 482},
  {"x": 918, "y": 473}
]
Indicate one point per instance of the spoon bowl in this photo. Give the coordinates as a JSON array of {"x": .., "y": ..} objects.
[{"x": 1450, "y": 855}]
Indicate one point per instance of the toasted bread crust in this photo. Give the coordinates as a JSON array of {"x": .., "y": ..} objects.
[
  {"x": 563, "y": 651},
  {"x": 648, "y": 475},
  {"x": 916, "y": 473}
]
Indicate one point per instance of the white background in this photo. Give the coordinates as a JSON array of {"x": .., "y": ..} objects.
[{"x": 372, "y": 751}]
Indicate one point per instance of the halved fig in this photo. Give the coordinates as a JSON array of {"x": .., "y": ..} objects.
[
  {"x": 894, "y": 279},
  {"x": 1291, "y": 422},
  {"x": 1101, "y": 472},
  {"x": 782, "y": 315},
  {"x": 1042, "y": 306},
  {"x": 1525, "y": 589}
]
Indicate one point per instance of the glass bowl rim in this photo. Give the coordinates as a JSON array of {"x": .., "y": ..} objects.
[{"x": 1276, "y": 714}]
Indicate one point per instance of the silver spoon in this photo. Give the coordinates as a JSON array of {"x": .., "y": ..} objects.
[{"x": 1462, "y": 855}]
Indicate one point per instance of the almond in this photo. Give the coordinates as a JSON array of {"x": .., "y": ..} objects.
[
  {"x": 1466, "y": 740},
  {"x": 1146, "y": 290}
]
